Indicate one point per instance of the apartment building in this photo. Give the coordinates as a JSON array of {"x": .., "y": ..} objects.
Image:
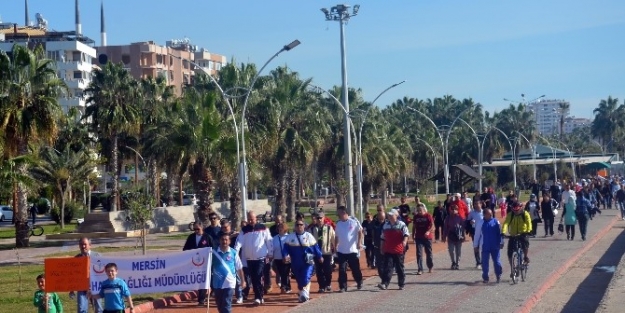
[
  {"x": 73, "y": 55},
  {"x": 149, "y": 59},
  {"x": 547, "y": 114}
]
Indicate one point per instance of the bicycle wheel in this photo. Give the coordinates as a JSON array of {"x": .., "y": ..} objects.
[
  {"x": 515, "y": 267},
  {"x": 523, "y": 268},
  {"x": 37, "y": 231}
]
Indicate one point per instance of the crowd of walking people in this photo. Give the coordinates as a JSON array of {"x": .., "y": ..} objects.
[{"x": 323, "y": 246}]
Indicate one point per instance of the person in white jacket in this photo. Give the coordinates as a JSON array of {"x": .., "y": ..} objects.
[{"x": 256, "y": 246}]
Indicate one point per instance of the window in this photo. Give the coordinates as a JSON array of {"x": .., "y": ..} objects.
[
  {"x": 126, "y": 59},
  {"x": 76, "y": 56},
  {"x": 159, "y": 59},
  {"x": 77, "y": 74}
]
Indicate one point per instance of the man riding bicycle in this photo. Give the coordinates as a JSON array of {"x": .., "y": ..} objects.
[{"x": 518, "y": 225}]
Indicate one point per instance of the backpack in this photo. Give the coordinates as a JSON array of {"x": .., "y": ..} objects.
[{"x": 457, "y": 233}]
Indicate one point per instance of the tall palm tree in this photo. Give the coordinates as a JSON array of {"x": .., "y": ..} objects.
[
  {"x": 29, "y": 90},
  {"x": 112, "y": 110}
]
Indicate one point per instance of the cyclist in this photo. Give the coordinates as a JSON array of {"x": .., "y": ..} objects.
[{"x": 518, "y": 224}]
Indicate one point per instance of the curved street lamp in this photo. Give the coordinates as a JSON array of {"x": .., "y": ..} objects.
[
  {"x": 243, "y": 164},
  {"x": 440, "y": 136},
  {"x": 533, "y": 148}
]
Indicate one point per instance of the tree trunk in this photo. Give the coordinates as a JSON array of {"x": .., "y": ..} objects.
[
  {"x": 235, "y": 205},
  {"x": 89, "y": 197},
  {"x": 136, "y": 171},
  {"x": 21, "y": 207},
  {"x": 291, "y": 184},
  {"x": 203, "y": 185},
  {"x": 180, "y": 197},
  {"x": 62, "y": 192},
  {"x": 280, "y": 191},
  {"x": 114, "y": 166},
  {"x": 151, "y": 177},
  {"x": 171, "y": 185}
]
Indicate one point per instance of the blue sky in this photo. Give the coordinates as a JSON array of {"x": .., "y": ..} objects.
[{"x": 485, "y": 50}]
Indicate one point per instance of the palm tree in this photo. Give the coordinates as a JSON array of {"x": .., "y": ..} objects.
[
  {"x": 28, "y": 109},
  {"x": 608, "y": 120},
  {"x": 289, "y": 126},
  {"x": 60, "y": 170},
  {"x": 112, "y": 110}
]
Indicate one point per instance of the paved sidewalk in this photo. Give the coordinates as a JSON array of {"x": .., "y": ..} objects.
[{"x": 461, "y": 291}]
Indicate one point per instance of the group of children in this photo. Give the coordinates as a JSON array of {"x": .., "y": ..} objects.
[{"x": 113, "y": 291}]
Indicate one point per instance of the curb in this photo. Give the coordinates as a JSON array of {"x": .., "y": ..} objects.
[
  {"x": 537, "y": 296},
  {"x": 164, "y": 302}
]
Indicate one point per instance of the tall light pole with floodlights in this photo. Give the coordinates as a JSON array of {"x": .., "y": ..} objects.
[
  {"x": 243, "y": 163},
  {"x": 341, "y": 14}
]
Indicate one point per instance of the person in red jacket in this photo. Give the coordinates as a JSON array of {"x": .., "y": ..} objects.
[
  {"x": 394, "y": 240},
  {"x": 422, "y": 235},
  {"x": 463, "y": 210}
]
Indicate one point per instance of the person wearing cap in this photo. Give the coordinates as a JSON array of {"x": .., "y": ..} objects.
[
  {"x": 463, "y": 210},
  {"x": 518, "y": 224},
  {"x": 394, "y": 241},
  {"x": 533, "y": 207},
  {"x": 324, "y": 234}
]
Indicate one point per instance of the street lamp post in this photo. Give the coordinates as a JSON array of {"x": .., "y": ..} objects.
[
  {"x": 570, "y": 158},
  {"x": 341, "y": 14},
  {"x": 440, "y": 136},
  {"x": 242, "y": 161},
  {"x": 447, "y": 149},
  {"x": 147, "y": 182},
  {"x": 359, "y": 143},
  {"x": 435, "y": 163},
  {"x": 553, "y": 151}
]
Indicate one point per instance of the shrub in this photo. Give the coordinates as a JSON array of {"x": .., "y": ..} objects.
[
  {"x": 72, "y": 209},
  {"x": 43, "y": 206}
]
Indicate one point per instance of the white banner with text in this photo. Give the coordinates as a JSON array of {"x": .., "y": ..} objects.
[{"x": 178, "y": 271}]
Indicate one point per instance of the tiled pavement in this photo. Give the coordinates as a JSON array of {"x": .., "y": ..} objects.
[{"x": 461, "y": 291}]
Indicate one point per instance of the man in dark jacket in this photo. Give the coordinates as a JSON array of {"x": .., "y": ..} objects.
[
  {"x": 197, "y": 240},
  {"x": 439, "y": 216},
  {"x": 375, "y": 228},
  {"x": 369, "y": 251}
]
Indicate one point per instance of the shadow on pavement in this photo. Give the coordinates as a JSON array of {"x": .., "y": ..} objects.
[{"x": 590, "y": 292}]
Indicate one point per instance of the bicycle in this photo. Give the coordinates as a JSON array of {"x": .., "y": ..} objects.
[
  {"x": 267, "y": 217},
  {"x": 34, "y": 230},
  {"x": 518, "y": 265}
]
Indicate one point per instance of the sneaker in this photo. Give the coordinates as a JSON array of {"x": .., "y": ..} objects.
[
  {"x": 321, "y": 290},
  {"x": 329, "y": 289},
  {"x": 498, "y": 279},
  {"x": 583, "y": 238},
  {"x": 419, "y": 272},
  {"x": 401, "y": 287},
  {"x": 485, "y": 281},
  {"x": 479, "y": 266},
  {"x": 287, "y": 291},
  {"x": 526, "y": 260},
  {"x": 240, "y": 300},
  {"x": 341, "y": 290},
  {"x": 257, "y": 301},
  {"x": 359, "y": 286},
  {"x": 453, "y": 266},
  {"x": 430, "y": 271},
  {"x": 382, "y": 286}
]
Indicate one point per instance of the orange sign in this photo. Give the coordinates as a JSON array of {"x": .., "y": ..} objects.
[{"x": 67, "y": 274}]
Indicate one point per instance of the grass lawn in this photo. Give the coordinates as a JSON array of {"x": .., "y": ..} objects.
[{"x": 7, "y": 233}]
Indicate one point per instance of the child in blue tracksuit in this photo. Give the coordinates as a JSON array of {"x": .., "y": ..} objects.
[{"x": 490, "y": 238}]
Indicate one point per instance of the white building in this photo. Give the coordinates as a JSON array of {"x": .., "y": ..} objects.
[
  {"x": 548, "y": 114},
  {"x": 571, "y": 123},
  {"x": 73, "y": 55}
]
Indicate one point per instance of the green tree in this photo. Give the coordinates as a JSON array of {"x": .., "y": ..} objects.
[
  {"x": 29, "y": 90},
  {"x": 60, "y": 170},
  {"x": 111, "y": 111}
]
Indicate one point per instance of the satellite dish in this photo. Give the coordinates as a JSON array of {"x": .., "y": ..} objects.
[{"x": 103, "y": 59}]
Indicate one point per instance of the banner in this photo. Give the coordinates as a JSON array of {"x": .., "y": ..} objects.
[
  {"x": 178, "y": 271},
  {"x": 66, "y": 274}
]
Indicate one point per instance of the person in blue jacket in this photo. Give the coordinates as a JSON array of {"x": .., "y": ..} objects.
[
  {"x": 490, "y": 238},
  {"x": 301, "y": 249}
]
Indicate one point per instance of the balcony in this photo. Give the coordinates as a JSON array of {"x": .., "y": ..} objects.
[{"x": 77, "y": 83}]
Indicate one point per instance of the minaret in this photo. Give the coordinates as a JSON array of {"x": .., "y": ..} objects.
[
  {"x": 102, "y": 26},
  {"x": 26, "y": 15},
  {"x": 78, "y": 26}
]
